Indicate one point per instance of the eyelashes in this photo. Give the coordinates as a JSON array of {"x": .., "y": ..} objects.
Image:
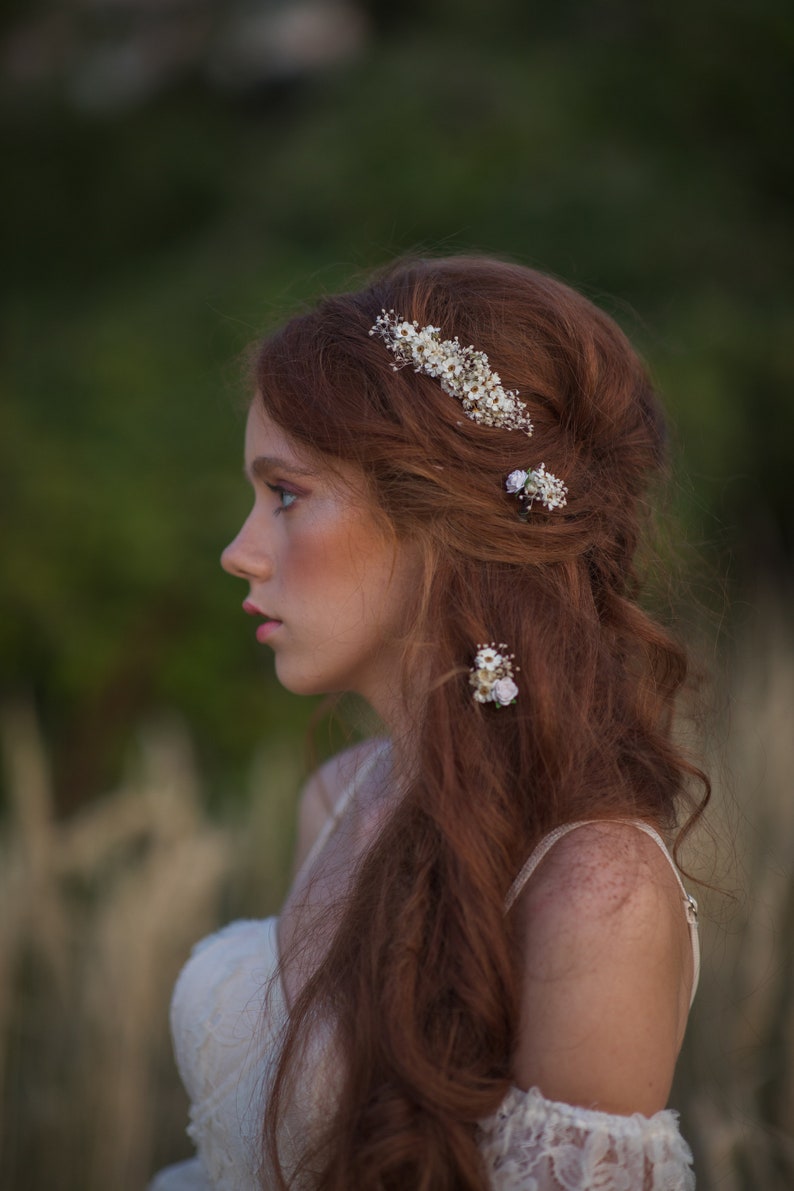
[{"x": 285, "y": 497}]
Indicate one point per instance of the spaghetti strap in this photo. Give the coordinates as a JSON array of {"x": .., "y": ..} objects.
[
  {"x": 359, "y": 775},
  {"x": 548, "y": 842}
]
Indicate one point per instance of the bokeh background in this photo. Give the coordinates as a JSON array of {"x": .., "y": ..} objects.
[{"x": 177, "y": 176}]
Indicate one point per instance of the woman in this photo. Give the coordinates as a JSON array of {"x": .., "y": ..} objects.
[{"x": 482, "y": 974}]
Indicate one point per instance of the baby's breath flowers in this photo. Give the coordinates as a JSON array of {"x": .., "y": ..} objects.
[
  {"x": 536, "y": 484},
  {"x": 462, "y": 372},
  {"x": 492, "y": 675}
]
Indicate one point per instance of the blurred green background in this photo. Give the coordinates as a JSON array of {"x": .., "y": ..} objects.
[{"x": 181, "y": 174}]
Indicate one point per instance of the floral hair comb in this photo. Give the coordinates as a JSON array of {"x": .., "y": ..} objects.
[
  {"x": 462, "y": 372},
  {"x": 492, "y": 676},
  {"x": 536, "y": 484}
]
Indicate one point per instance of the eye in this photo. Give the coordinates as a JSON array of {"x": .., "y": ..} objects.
[{"x": 285, "y": 497}]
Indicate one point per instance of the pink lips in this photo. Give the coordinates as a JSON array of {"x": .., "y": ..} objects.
[{"x": 267, "y": 628}]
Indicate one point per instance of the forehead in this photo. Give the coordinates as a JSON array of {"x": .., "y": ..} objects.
[
  {"x": 263, "y": 437},
  {"x": 270, "y": 449}
]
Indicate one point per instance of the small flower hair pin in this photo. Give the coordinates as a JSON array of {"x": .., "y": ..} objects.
[
  {"x": 492, "y": 675},
  {"x": 536, "y": 484},
  {"x": 462, "y": 372}
]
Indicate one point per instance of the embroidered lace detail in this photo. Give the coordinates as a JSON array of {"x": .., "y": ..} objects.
[
  {"x": 226, "y": 1015},
  {"x": 534, "y": 1144}
]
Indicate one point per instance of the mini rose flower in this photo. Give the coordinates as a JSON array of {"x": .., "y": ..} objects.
[
  {"x": 516, "y": 481},
  {"x": 504, "y": 691}
]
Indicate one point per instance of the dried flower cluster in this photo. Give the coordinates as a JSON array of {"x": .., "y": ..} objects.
[
  {"x": 462, "y": 372},
  {"x": 492, "y": 675},
  {"x": 536, "y": 484}
]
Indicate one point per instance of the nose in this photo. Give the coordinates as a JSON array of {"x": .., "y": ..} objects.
[{"x": 247, "y": 556}]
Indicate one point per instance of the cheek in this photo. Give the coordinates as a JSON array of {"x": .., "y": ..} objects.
[
  {"x": 325, "y": 564},
  {"x": 352, "y": 576}
]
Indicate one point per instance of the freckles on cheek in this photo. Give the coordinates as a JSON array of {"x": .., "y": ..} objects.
[{"x": 325, "y": 556}]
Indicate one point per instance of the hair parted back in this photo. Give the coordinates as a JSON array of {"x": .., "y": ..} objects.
[{"x": 421, "y": 979}]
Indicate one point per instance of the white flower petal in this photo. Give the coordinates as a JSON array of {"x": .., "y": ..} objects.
[
  {"x": 504, "y": 691},
  {"x": 516, "y": 480}
]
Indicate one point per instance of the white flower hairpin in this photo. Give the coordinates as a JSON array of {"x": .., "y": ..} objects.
[
  {"x": 462, "y": 372},
  {"x": 536, "y": 484},
  {"x": 492, "y": 675}
]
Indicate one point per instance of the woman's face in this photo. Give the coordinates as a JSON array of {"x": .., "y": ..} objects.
[{"x": 330, "y": 589}]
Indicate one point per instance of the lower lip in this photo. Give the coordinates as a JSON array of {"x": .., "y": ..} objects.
[{"x": 266, "y": 630}]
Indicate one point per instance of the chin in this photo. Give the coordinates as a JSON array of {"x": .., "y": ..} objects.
[
  {"x": 298, "y": 683},
  {"x": 297, "y": 686}
]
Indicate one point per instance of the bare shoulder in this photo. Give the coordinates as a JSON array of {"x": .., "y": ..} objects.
[
  {"x": 606, "y": 965},
  {"x": 612, "y": 872},
  {"x": 322, "y": 792}
]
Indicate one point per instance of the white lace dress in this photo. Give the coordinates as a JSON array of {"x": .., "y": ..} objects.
[{"x": 226, "y": 1045}]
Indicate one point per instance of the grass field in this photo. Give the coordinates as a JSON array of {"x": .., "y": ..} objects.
[{"x": 98, "y": 913}]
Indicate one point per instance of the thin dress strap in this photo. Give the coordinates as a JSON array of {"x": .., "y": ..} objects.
[
  {"x": 548, "y": 842},
  {"x": 361, "y": 772},
  {"x": 351, "y": 789}
]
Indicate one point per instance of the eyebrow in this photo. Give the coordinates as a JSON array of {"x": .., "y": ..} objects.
[{"x": 265, "y": 465}]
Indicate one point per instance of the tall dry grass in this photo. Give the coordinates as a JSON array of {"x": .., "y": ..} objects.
[
  {"x": 736, "y": 1078},
  {"x": 97, "y": 915}
]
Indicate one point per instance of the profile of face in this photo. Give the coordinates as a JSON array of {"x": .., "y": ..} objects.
[{"x": 329, "y": 585}]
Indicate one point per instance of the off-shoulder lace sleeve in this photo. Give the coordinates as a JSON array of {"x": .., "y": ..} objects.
[{"x": 534, "y": 1144}]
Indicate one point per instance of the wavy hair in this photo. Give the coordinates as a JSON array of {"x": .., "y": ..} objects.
[{"x": 421, "y": 977}]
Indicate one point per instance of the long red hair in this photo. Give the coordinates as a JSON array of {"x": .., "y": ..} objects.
[{"x": 421, "y": 976}]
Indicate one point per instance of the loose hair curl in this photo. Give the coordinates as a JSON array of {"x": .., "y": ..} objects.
[{"x": 421, "y": 977}]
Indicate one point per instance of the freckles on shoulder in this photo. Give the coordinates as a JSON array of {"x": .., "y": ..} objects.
[{"x": 606, "y": 970}]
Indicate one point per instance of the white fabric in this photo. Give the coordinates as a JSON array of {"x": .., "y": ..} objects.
[
  {"x": 225, "y": 1045},
  {"x": 227, "y": 1016},
  {"x": 182, "y": 1176},
  {"x": 534, "y": 1144}
]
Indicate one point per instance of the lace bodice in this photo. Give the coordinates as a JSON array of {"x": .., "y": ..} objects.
[
  {"x": 227, "y": 1016},
  {"x": 225, "y": 1046}
]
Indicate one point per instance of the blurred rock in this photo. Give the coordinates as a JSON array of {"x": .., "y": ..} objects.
[
  {"x": 275, "y": 42},
  {"x": 104, "y": 56}
]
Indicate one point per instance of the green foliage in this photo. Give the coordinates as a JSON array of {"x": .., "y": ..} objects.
[{"x": 635, "y": 150}]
